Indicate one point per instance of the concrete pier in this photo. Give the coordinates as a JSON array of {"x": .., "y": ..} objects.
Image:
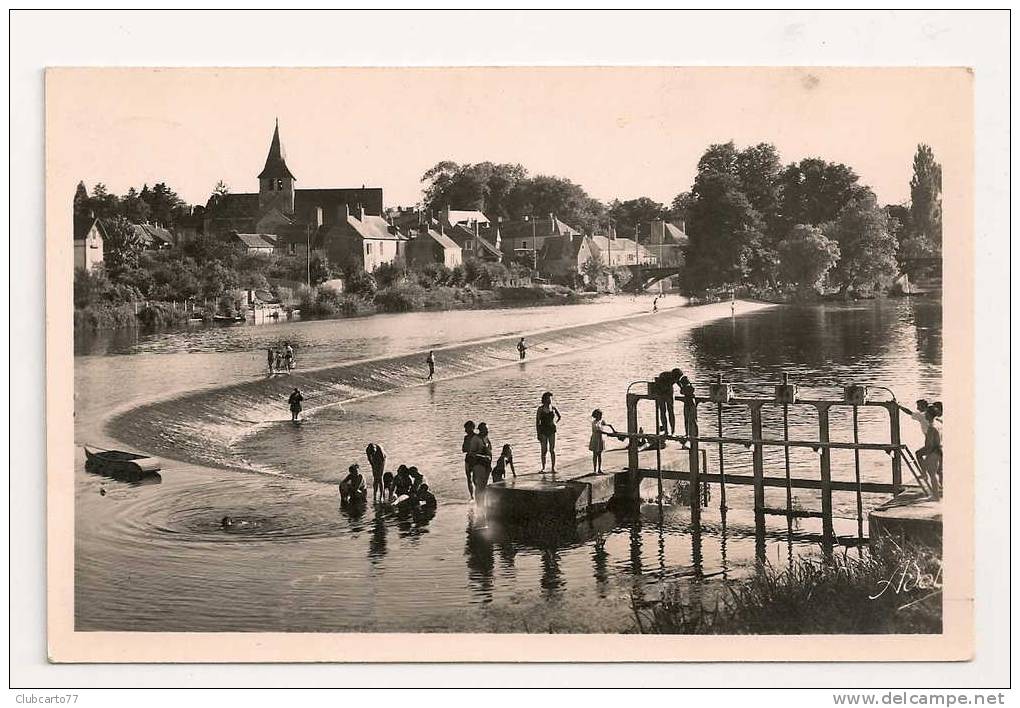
[
  {"x": 571, "y": 493},
  {"x": 911, "y": 517}
]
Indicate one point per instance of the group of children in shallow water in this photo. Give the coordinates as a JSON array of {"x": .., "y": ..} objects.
[
  {"x": 406, "y": 489},
  {"x": 280, "y": 359}
]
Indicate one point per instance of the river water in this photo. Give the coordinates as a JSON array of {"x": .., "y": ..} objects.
[{"x": 154, "y": 557}]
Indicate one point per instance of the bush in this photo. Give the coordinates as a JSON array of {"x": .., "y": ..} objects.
[
  {"x": 161, "y": 314},
  {"x": 389, "y": 274},
  {"x": 432, "y": 274},
  {"x": 358, "y": 282},
  {"x": 402, "y": 297}
]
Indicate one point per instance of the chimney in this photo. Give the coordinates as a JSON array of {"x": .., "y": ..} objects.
[
  {"x": 316, "y": 217},
  {"x": 475, "y": 223}
]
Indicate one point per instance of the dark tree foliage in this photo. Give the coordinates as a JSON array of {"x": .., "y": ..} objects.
[
  {"x": 634, "y": 215},
  {"x": 867, "y": 246},
  {"x": 926, "y": 201},
  {"x": 724, "y": 228},
  {"x": 814, "y": 192}
]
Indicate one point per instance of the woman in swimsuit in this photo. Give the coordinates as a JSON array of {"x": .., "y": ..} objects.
[{"x": 546, "y": 418}]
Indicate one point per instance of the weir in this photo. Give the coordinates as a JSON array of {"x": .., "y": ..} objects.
[{"x": 574, "y": 492}]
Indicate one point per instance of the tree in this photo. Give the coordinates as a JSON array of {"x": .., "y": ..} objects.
[
  {"x": 102, "y": 204},
  {"x": 814, "y": 192},
  {"x": 628, "y": 216},
  {"x": 164, "y": 204},
  {"x": 89, "y": 286},
  {"x": 594, "y": 269},
  {"x": 866, "y": 244},
  {"x": 758, "y": 168},
  {"x": 926, "y": 200},
  {"x": 544, "y": 194},
  {"x": 485, "y": 186},
  {"x": 134, "y": 208},
  {"x": 122, "y": 247},
  {"x": 806, "y": 255},
  {"x": 723, "y": 229}
]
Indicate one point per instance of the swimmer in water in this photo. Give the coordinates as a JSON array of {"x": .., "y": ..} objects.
[{"x": 352, "y": 488}]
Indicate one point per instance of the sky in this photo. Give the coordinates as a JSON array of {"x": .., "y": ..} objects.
[{"x": 618, "y": 132}]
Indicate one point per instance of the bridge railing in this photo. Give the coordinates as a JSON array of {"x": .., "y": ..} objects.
[{"x": 786, "y": 397}]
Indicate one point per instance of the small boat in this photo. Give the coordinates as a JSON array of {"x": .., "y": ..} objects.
[{"x": 131, "y": 466}]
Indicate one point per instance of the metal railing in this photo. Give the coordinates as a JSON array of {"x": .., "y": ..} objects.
[{"x": 786, "y": 396}]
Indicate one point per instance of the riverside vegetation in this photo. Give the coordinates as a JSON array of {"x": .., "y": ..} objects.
[{"x": 756, "y": 227}]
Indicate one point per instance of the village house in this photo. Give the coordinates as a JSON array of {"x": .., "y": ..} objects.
[
  {"x": 154, "y": 236},
  {"x": 565, "y": 256},
  {"x": 618, "y": 251},
  {"x": 666, "y": 240},
  {"x": 527, "y": 235},
  {"x": 361, "y": 240},
  {"x": 264, "y": 244},
  {"x": 474, "y": 243},
  {"x": 431, "y": 246},
  {"x": 89, "y": 237},
  {"x": 295, "y": 216}
]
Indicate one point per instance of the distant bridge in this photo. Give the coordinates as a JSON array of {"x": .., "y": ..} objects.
[{"x": 643, "y": 277}]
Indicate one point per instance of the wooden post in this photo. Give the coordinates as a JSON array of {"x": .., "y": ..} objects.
[
  {"x": 633, "y": 462},
  {"x": 758, "y": 463},
  {"x": 857, "y": 479},
  {"x": 826, "y": 470},
  {"x": 894, "y": 439},
  {"x": 658, "y": 461},
  {"x": 722, "y": 465},
  {"x": 691, "y": 425}
]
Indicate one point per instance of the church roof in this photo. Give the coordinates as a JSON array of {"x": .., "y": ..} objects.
[{"x": 276, "y": 166}]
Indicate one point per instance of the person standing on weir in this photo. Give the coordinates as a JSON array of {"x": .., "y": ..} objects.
[
  {"x": 522, "y": 349},
  {"x": 430, "y": 360}
]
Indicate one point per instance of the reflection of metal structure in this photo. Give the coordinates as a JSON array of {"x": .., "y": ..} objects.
[{"x": 786, "y": 396}]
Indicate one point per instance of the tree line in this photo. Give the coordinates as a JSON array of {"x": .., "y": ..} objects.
[{"x": 750, "y": 219}]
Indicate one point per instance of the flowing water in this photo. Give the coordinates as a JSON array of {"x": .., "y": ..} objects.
[{"x": 155, "y": 557}]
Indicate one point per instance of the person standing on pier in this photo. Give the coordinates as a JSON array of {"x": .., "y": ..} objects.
[
  {"x": 662, "y": 389},
  {"x": 430, "y": 360},
  {"x": 377, "y": 461},
  {"x": 522, "y": 349},
  {"x": 546, "y": 418},
  {"x": 481, "y": 459},
  {"x": 921, "y": 416},
  {"x": 469, "y": 434},
  {"x": 295, "y": 404},
  {"x": 598, "y": 443},
  {"x": 932, "y": 463}
]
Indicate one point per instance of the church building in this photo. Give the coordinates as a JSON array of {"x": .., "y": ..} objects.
[{"x": 297, "y": 217}]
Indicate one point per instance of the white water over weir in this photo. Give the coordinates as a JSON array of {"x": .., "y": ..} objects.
[{"x": 204, "y": 426}]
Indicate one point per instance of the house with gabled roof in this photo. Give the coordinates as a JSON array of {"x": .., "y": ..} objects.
[
  {"x": 89, "y": 240},
  {"x": 256, "y": 243},
  {"x": 432, "y": 246},
  {"x": 474, "y": 242},
  {"x": 361, "y": 240},
  {"x": 154, "y": 236},
  {"x": 531, "y": 232},
  {"x": 565, "y": 255}
]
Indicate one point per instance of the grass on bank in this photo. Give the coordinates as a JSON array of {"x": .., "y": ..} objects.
[{"x": 896, "y": 591}]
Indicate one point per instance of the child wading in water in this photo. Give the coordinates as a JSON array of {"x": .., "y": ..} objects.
[
  {"x": 295, "y": 404},
  {"x": 597, "y": 443},
  {"x": 506, "y": 458}
]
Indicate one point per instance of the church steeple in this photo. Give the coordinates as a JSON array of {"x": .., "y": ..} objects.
[
  {"x": 276, "y": 166},
  {"x": 276, "y": 182}
]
